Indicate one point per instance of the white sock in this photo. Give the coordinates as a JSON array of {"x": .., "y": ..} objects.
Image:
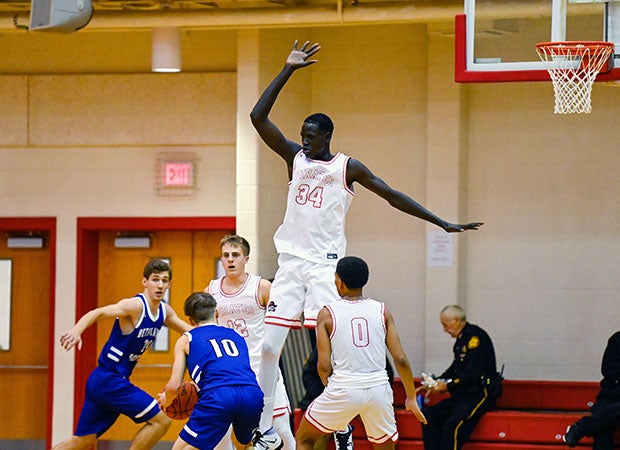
[{"x": 266, "y": 419}]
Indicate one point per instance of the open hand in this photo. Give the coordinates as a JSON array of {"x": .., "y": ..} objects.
[
  {"x": 69, "y": 340},
  {"x": 458, "y": 228},
  {"x": 299, "y": 57},
  {"x": 412, "y": 405}
]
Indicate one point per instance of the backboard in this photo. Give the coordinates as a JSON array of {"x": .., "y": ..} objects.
[{"x": 496, "y": 39}]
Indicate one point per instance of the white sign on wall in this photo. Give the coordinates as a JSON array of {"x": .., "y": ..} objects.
[
  {"x": 5, "y": 303},
  {"x": 439, "y": 249}
]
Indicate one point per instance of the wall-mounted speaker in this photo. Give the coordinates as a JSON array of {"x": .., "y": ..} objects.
[{"x": 64, "y": 16}]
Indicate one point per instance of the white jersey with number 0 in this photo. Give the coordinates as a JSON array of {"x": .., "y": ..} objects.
[
  {"x": 316, "y": 206},
  {"x": 358, "y": 343}
]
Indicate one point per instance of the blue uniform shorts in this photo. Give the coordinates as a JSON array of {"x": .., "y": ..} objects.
[
  {"x": 217, "y": 409},
  {"x": 109, "y": 395}
]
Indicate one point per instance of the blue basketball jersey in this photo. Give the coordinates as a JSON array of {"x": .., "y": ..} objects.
[
  {"x": 122, "y": 351},
  {"x": 218, "y": 356}
]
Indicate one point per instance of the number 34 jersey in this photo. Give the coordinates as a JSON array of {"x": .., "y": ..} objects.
[{"x": 316, "y": 207}]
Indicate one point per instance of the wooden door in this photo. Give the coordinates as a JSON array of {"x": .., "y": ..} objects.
[
  {"x": 192, "y": 255},
  {"x": 24, "y": 365}
]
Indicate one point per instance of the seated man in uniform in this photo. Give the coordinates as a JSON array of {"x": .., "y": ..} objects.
[{"x": 472, "y": 381}]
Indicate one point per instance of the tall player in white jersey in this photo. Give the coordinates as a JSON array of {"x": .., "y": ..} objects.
[
  {"x": 241, "y": 302},
  {"x": 352, "y": 336},
  {"x": 311, "y": 238}
]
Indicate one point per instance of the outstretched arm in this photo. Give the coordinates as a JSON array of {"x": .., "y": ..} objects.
[
  {"x": 125, "y": 308},
  {"x": 356, "y": 171},
  {"x": 270, "y": 133}
]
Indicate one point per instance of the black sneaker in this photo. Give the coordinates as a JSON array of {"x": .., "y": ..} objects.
[
  {"x": 573, "y": 435},
  {"x": 267, "y": 441},
  {"x": 344, "y": 439}
]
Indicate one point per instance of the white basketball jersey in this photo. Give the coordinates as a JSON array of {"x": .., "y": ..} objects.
[
  {"x": 317, "y": 203},
  {"x": 358, "y": 343},
  {"x": 242, "y": 311}
]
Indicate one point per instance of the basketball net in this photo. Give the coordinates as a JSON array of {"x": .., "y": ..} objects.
[{"x": 573, "y": 67}]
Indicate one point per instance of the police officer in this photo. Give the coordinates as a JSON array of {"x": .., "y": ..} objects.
[{"x": 472, "y": 381}]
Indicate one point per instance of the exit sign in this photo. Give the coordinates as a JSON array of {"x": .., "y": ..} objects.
[
  {"x": 175, "y": 173},
  {"x": 179, "y": 174}
]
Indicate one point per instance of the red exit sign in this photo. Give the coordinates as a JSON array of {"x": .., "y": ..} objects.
[{"x": 178, "y": 174}]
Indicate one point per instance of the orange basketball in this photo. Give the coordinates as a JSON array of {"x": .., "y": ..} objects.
[{"x": 183, "y": 404}]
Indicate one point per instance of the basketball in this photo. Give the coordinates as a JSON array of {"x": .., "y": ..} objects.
[{"x": 183, "y": 404}]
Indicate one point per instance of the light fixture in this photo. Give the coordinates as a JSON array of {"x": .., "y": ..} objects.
[
  {"x": 166, "y": 49},
  {"x": 20, "y": 241},
  {"x": 132, "y": 242}
]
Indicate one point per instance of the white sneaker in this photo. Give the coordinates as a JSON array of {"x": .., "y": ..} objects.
[
  {"x": 344, "y": 439},
  {"x": 267, "y": 441}
]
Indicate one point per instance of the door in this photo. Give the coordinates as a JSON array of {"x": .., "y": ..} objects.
[
  {"x": 24, "y": 351},
  {"x": 192, "y": 256}
]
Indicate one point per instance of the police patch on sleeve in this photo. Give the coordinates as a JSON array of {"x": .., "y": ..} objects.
[{"x": 474, "y": 342}]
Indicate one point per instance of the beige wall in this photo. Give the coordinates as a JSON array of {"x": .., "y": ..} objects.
[
  {"x": 86, "y": 145},
  {"x": 540, "y": 276}
]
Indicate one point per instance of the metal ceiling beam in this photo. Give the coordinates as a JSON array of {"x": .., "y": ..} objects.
[{"x": 420, "y": 11}]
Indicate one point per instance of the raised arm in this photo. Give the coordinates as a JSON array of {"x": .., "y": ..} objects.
[
  {"x": 358, "y": 172},
  {"x": 268, "y": 131}
]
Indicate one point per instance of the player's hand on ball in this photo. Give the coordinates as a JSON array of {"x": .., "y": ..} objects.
[{"x": 161, "y": 400}]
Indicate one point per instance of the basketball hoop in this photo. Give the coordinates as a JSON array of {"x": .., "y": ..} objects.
[{"x": 573, "y": 67}]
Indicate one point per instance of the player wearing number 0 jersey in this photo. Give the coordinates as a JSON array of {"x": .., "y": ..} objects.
[
  {"x": 241, "y": 300},
  {"x": 352, "y": 336},
  {"x": 358, "y": 343},
  {"x": 218, "y": 362}
]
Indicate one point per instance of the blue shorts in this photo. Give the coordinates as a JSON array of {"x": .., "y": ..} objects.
[
  {"x": 109, "y": 395},
  {"x": 217, "y": 409}
]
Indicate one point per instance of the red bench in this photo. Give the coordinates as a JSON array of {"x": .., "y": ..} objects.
[{"x": 530, "y": 415}]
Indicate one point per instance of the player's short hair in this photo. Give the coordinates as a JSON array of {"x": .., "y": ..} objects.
[
  {"x": 200, "y": 306},
  {"x": 454, "y": 312},
  {"x": 353, "y": 271},
  {"x": 322, "y": 121},
  {"x": 234, "y": 239},
  {"x": 157, "y": 266}
]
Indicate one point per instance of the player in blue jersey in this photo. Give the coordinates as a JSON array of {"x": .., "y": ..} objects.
[
  {"x": 218, "y": 362},
  {"x": 109, "y": 393}
]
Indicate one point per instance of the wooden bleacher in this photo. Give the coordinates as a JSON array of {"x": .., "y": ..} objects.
[{"x": 530, "y": 415}]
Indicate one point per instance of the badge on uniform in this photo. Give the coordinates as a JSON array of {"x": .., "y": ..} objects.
[{"x": 474, "y": 342}]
